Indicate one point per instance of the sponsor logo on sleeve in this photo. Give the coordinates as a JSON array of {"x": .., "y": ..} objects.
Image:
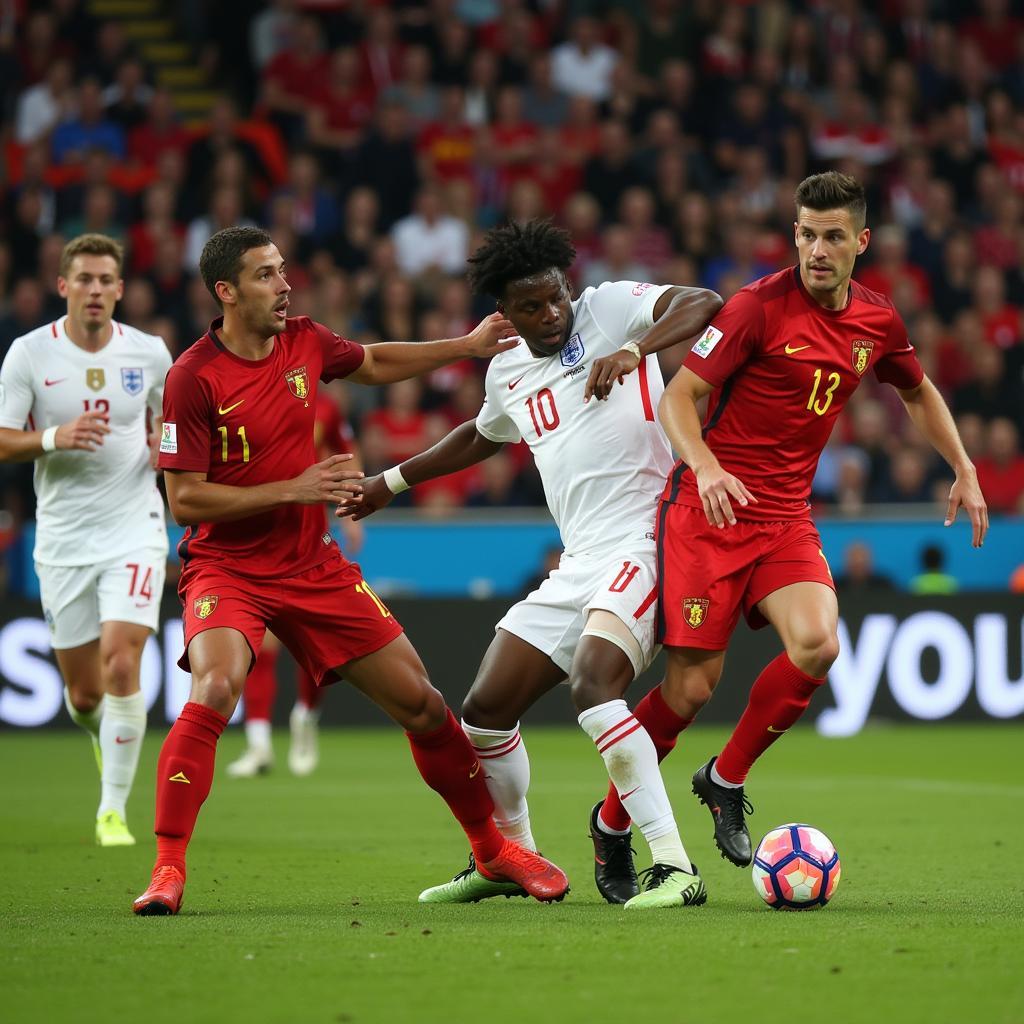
[
  {"x": 169, "y": 439},
  {"x": 572, "y": 351},
  {"x": 131, "y": 379},
  {"x": 708, "y": 340}
]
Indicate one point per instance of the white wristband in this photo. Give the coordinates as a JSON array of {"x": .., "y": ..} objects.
[
  {"x": 49, "y": 439},
  {"x": 395, "y": 481},
  {"x": 632, "y": 346}
]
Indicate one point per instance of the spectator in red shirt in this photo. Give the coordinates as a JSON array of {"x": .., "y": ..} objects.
[
  {"x": 397, "y": 431},
  {"x": 515, "y": 139},
  {"x": 292, "y": 79},
  {"x": 161, "y": 130},
  {"x": 891, "y": 267},
  {"x": 157, "y": 220},
  {"x": 380, "y": 51},
  {"x": 446, "y": 146},
  {"x": 340, "y": 110},
  {"x": 1000, "y": 320},
  {"x": 995, "y": 31},
  {"x": 1001, "y": 471}
]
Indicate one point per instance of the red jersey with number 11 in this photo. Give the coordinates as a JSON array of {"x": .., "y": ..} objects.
[
  {"x": 245, "y": 422},
  {"x": 783, "y": 367}
]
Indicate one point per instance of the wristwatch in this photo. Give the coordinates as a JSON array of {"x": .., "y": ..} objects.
[{"x": 632, "y": 346}]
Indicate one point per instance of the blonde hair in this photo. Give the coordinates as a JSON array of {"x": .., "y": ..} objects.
[{"x": 91, "y": 245}]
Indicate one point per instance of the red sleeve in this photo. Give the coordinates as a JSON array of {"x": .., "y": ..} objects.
[
  {"x": 899, "y": 365},
  {"x": 185, "y": 443},
  {"x": 340, "y": 355},
  {"x": 729, "y": 340}
]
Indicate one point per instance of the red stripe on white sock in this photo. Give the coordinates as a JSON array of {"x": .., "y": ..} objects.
[
  {"x": 617, "y": 732},
  {"x": 503, "y": 748}
]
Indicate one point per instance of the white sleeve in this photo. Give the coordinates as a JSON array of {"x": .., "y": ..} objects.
[
  {"x": 161, "y": 364},
  {"x": 492, "y": 421},
  {"x": 623, "y": 310},
  {"x": 16, "y": 394}
]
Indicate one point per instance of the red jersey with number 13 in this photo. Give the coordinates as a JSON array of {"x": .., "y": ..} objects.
[
  {"x": 783, "y": 367},
  {"x": 245, "y": 422}
]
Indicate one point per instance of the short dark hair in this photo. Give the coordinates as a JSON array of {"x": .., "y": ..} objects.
[
  {"x": 91, "y": 245},
  {"x": 223, "y": 253},
  {"x": 833, "y": 191},
  {"x": 515, "y": 251}
]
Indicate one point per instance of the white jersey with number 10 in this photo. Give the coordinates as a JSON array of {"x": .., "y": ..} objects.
[
  {"x": 603, "y": 464},
  {"x": 91, "y": 506}
]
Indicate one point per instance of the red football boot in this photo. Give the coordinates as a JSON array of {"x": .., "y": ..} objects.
[
  {"x": 164, "y": 894},
  {"x": 543, "y": 880}
]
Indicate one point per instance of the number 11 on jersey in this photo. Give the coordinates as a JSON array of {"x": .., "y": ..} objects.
[{"x": 224, "y": 444}]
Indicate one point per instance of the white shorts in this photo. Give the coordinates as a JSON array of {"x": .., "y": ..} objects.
[
  {"x": 77, "y": 598},
  {"x": 552, "y": 617}
]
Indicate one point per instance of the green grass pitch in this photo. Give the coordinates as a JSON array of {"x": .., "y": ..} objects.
[{"x": 301, "y": 902}]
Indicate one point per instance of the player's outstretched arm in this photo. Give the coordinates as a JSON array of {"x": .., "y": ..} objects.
[
  {"x": 932, "y": 417},
  {"x": 678, "y": 414},
  {"x": 194, "y": 499},
  {"x": 388, "y": 361},
  {"x": 83, "y": 434},
  {"x": 679, "y": 314},
  {"x": 464, "y": 446}
]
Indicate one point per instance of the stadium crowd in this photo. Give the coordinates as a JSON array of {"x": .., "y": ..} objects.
[{"x": 377, "y": 142}]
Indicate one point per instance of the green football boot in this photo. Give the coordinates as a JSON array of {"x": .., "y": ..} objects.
[
  {"x": 667, "y": 886},
  {"x": 469, "y": 886}
]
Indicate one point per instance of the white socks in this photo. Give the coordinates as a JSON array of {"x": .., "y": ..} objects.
[
  {"x": 122, "y": 728},
  {"x": 506, "y": 768},
  {"x": 719, "y": 781},
  {"x": 87, "y": 720},
  {"x": 632, "y": 763},
  {"x": 257, "y": 734}
]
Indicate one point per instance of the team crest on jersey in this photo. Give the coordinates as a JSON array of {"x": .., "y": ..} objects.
[
  {"x": 298, "y": 382},
  {"x": 131, "y": 379},
  {"x": 862, "y": 354},
  {"x": 573, "y": 351},
  {"x": 695, "y": 611},
  {"x": 95, "y": 378},
  {"x": 204, "y": 606}
]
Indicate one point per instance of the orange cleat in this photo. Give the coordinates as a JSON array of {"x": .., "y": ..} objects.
[
  {"x": 543, "y": 880},
  {"x": 164, "y": 894}
]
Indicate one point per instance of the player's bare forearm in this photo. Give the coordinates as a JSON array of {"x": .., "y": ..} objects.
[
  {"x": 680, "y": 314},
  {"x": 930, "y": 414},
  {"x": 390, "y": 361},
  {"x": 680, "y": 419},
  {"x": 194, "y": 499},
  {"x": 20, "y": 445},
  {"x": 463, "y": 447}
]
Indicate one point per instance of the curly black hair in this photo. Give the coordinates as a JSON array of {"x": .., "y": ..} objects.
[{"x": 515, "y": 251}]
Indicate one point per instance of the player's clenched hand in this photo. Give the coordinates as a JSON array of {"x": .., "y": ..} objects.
[
  {"x": 606, "y": 371},
  {"x": 85, "y": 433},
  {"x": 717, "y": 489},
  {"x": 967, "y": 493},
  {"x": 375, "y": 495},
  {"x": 492, "y": 335},
  {"x": 331, "y": 480}
]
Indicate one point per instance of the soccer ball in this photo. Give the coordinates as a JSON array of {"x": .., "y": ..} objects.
[{"x": 796, "y": 867}]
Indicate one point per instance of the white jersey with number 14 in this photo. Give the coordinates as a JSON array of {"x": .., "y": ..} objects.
[
  {"x": 91, "y": 505},
  {"x": 603, "y": 464}
]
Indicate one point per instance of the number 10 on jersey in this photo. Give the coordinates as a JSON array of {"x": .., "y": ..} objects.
[{"x": 543, "y": 411}]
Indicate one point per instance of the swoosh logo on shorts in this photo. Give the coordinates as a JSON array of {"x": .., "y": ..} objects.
[{"x": 221, "y": 411}]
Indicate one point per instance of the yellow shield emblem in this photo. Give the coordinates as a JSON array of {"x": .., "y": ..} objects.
[
  {"x": 862, "y": 355},
  {"x": 298, "y": 382},
  {"x": 695, "y": 610},
  {"x": 95, "y": 378},
  {"x": 204, "y": 606}
]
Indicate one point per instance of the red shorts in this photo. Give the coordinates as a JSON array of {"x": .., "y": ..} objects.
[
  {"x": 326, "y": 617},
  {"x": 707, "y": 576}
]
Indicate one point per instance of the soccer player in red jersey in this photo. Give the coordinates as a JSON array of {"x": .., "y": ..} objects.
[
  {"x": 734, "y": 531},
  {"x": 238, "y": 421}
]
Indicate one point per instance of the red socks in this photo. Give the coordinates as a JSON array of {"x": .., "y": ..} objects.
[
  {"x": 309, "y": 693},
  {"x": 663, "y": 725},
  {"x": 184, "y": 775},
  {"x": 449, "y": 767},
  {"x": 778, "y": 698},
  {"x": 261, "y": 687}
]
